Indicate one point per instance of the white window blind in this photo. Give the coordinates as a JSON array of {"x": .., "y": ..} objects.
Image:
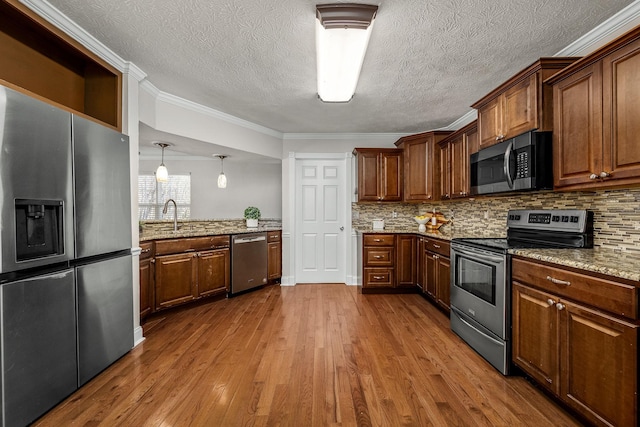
[{"x": 152, "y": 196}]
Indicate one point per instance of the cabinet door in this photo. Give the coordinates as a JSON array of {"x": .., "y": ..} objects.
[
  {"x": 420, "y": 263},
  {"x": 459, "y": 168},
  {"x": 600, "y": 376},
  {"x": 577, "y": 128},
  {"x": 490, "y": 122},
  {"x": 368, "y": 176},
  {"x": 274, "y": 257},
  {"x": 444, "y": 159},
  {"x": 536, "y": 335},
  {"x": 418, "y": 157},
  {"x": 175, "y": 279},
  {"x": 430, "y": 273},
  {"x": 146, "y": 288},
  {"x": 621, "y": 103},
  {"x": 213, "y": 272},
  {"x": 520, "y": 107},
  {"x": 405, "y": 264},
  {"x": 391, "y": 174},
  {"x": 443, "y": 282}
]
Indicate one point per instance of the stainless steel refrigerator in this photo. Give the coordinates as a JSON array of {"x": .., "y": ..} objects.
[{"x": 66, "y": 292}]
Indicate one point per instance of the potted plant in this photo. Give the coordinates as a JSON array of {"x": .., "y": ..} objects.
[{"x": 252, "y": 215}]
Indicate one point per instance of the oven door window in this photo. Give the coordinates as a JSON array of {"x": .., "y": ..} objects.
[{"x": 477, "y": 278}]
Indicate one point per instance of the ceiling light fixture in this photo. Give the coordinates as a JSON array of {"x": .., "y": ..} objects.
[
  {"x": 342, "y": 35},
  {"x": 222, "y": 178},
  {"x": 162, "y": 174}
]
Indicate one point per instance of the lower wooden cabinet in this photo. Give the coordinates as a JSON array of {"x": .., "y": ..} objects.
[
  {"x": 406, "y": 261},
  {"x": 176, "y": 277},
  {"x": 146, "y": 279},
  {"x": 378, "y": 256},
  {"x": 274, "y": 255},
  {"x": 213, "y": 272},
  {"x": 586, "y": 356},
  {"x": 437, "y": 271},
  {"x": 189, "y": 269}
]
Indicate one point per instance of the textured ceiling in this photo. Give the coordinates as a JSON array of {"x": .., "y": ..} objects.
[{"x": 427, "y": 61}]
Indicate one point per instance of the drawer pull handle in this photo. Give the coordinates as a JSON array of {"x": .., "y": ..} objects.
[
  {"x": 560, "y": 306},
  {"x": 144, "y": 251},
  {"x": 551, "y": 302},
  {"x": 378, "y": 256},
  {"x": 558, "y": 281},
  {"x": 436, "y": 246},
  {"x": 377, "y": 240},
  {"x": 378, "y": 277}
]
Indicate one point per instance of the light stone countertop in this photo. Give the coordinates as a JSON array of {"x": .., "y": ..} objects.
[
  {"x": 607, "y": 261},
  {"x": 600, "y": 260},
  {"x": 195, "y": 232}
]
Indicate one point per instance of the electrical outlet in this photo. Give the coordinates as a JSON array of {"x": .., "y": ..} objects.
[
  {"x": 355, "y": 215},
  {"x": 486, "y": 214},
  {"x": 394, "y": 214}
]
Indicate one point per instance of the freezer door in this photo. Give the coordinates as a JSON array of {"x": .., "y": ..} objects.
[
  {"x": 39, "y": 364},
  {"x": 102, "y": 189},
  {"x": 35, "y": 165},
  {"x": 105, "y": 314}
]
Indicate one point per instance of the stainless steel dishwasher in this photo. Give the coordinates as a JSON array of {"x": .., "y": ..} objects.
[{"x": 248, "y": 262}]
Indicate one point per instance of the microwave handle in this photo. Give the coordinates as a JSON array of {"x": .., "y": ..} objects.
[{"x": 507, "y": 163}]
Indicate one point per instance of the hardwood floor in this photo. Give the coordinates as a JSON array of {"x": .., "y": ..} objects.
[{"x": 309, "y": 355}]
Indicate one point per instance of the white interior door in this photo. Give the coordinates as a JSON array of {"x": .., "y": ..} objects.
[{"x": 320, "y": 217}]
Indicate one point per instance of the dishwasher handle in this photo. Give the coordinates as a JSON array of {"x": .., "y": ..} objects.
[{"x": 249, "y": 239}]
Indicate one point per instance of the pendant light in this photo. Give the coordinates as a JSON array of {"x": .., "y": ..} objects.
[
  {"x": 162, "y": 174},
  {"x": 222, "y": 178}
]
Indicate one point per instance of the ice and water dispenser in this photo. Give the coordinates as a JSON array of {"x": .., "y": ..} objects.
[{"x": 39, "y": 229}]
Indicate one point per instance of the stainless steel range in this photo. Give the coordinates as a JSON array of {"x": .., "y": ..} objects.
[{"x": 481, "y": 275}]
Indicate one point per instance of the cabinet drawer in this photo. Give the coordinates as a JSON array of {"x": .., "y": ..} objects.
[
  {"x": 378, "y": 277},
  {"x": 274, "y": 236},
  {"x": 441, "y": 247},
  {"x": 379, "y": 240},
  {"x": 147, "y": 250},
  {"x": 173, "y": 246},
  {"x": 378, "y": 256},
  {"x": 609, "y": 295}
]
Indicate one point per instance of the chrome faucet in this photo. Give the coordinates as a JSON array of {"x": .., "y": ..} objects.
[{"x": 175, "y": 213}]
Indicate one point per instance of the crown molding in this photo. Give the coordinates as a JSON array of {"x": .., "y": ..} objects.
[
  {"x": 603, "y": 32},
  {"x": 60, "y": 20},
  {"x": 199, "y": 108},
  {"x": 462, "y": 121},
  {"x": 345, "y": 136},
  {"x": 135, "y": 71}
]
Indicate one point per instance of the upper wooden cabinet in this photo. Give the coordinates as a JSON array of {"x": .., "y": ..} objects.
[
  {"x": 420, "y": 168},
  {"x": 596, "y": 110},
  {"x": 380, "y": 174},
  {"x": 520, "y": 104},
  {"x": 42, "y": 61},
  {"x": 453, "y": 157}
]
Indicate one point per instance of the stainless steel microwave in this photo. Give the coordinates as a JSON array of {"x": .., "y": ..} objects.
[{"x": 522, "y": 163}]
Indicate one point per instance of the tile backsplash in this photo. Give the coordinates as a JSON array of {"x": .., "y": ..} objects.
[{"x": 616, "y": 213}]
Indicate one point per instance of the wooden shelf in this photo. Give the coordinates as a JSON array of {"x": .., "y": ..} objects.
[{"x": 39, "y": 59}]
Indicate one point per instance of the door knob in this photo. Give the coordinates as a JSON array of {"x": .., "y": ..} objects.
[{"x": 341, "y": 228}]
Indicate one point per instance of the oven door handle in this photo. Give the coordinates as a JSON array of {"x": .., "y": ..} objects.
[
  {"x": 507, "y": 164},
  {"x": 479, "y": 255},
  {"x": 490, "y": 338}
]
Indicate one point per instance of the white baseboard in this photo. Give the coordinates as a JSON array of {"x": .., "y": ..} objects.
[{"x": 138, "y": 336}]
